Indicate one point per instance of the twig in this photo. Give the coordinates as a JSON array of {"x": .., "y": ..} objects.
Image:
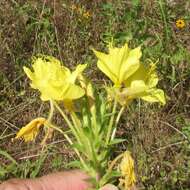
[
  {"x": 36, "y": 155},
  {"x": 169, "y": 125},
  {"x": 168, "y": 146}
]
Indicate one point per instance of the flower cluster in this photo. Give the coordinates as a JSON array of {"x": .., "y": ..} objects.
[
  {"x": 81, "y": 11},
  {"x": 132, "y": 79},
  {"x": 93, "y": 126}
]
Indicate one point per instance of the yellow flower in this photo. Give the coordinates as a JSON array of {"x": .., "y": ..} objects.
[
  {"x": 120, "y": 63},
  {"x": 86, "y": 14},
  {"x": 128, "y": 178},
  {"x": 142, "y": 84},
  {"x": 180, "y": 23},
  {"x": 30, "y": 131},
  {"x": 54, "y": 81}
]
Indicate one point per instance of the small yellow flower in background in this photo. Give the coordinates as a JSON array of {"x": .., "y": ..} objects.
[
  {"x": 54, "y": 81},
  {"x": 180, "y": 23},
  {"x": 31, "y": 130},
  {"x": 86, "y": 14},
  {"x": 128, "y": 178},
  {"x": 119, "y": 64}
]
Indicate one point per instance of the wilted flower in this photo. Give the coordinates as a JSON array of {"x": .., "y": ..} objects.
[
  {"x": 30, "y": 131},
  {"x": 180, "y": 23},
  {"x": 54, "y": 81},
  {"x": 128, "y": 178},
  {"x": 120, "y": 63}
]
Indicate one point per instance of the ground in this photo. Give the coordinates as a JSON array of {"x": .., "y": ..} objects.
[{"x": 158, "y": 136}]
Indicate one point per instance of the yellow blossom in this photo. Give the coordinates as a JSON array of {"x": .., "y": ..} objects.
[
  {"x": 119, "y": 64},
  {"x": 54, "y": 81},
  {"x": 128, "y": 178},
  {"x": 180, "y": 23},
  {"x": 86, "y": 14},
  {"x": 30, "y": 131},
  {"x": 142, "y": 84}
]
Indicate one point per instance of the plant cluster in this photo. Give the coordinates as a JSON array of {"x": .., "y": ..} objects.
[{"x": 91, "y": 114}]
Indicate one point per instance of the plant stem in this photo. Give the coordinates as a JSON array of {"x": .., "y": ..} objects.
[
  {"x": 164, "y": 19},
  {"x": 69, "y": 141},
  {"x": 48, "y": 131},
  {"x": 111, "y": 122},
  {"x": 51, "y": 111},
  {"x": 74, "y": 131},
  {"x": 117, "y": 121}
]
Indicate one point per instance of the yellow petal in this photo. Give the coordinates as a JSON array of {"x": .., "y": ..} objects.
[
  {"x": 105, "y": 66},
  {"x": 131, "y": 64},
  {"x": 119, "y": 63},
  {"x": 28, "y": 73},
  {"x": 30, "y": 131},
  {"x": 66, "y": 92},
  {"x": 79, "y": 69},
  {"x": 155, "y": 95},
  {"x": 136, "y": 90},
  {"x": 73, "y": 92},
  {"x": 146, "y": 74}
]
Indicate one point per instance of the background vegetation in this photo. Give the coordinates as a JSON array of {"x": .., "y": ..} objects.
[{"x": 157, "y": 136}]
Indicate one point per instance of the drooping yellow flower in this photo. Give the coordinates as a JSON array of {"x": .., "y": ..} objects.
[
  {"x": 119, "y": 64},
  {"x": 128, "y": 178},
  {"x": 142, "y": 84},
  {"x": 54, "y": 81},
  {"x": 180, "y": 23},
  {"x": 30, "y": 131}
]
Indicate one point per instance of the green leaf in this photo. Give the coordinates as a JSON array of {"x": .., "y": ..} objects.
[
  {"x": 116, "y": 141},
  {"x": 109, "y": 176},
  {"x": 38, "y": 165},
  {"x": 8, "y": 156},
  {"x": 3, "y": 172},
  {"x": 74, "y": 164},
  {"x": 79, "y": 147}
]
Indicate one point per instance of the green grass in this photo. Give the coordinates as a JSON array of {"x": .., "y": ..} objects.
[{"x": 157, "y": 136}]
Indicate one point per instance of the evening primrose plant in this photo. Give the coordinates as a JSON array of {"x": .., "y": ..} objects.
[{"x": 92, "y": 115}]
